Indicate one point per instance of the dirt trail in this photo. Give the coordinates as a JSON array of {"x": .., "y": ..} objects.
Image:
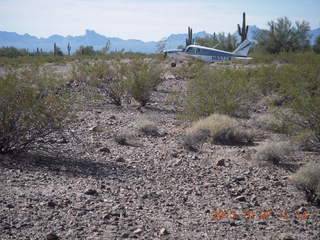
[{"x": 151, "y": 189}]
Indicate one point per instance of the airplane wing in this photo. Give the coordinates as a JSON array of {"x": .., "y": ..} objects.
[{"x": 243, "y": 58}]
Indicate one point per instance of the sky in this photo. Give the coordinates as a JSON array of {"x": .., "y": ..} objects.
[{"x": 147, "y": 20}]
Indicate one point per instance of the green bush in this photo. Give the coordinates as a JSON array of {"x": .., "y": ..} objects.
[
  {"x": 283, "y": 36},
  {"x": 224, "y": 91},
  {"x": 142, "y": 78},
  {"x": 109, "y": 77},
  {"x": 31, "y": 107},
  {"x": 300, "y": 84},
  {"x": 307, "y": 179}
]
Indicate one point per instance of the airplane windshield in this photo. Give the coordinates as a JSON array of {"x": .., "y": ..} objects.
[{"x": 190, "y": 50}]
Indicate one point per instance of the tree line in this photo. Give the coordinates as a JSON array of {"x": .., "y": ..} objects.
[{"x": 282, "y": 35}]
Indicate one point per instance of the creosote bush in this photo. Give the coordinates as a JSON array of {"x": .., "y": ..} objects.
[
  {"x": 273, "y": 152},
  {"x": 223, "y": 91},
  {"x": 31, "y": 108},
  {"x": 219, "y": 129},
  {"x": 142, "y": 78},
  {"x": 110, "y": 78},
  {"x": 307, "y": 179}
]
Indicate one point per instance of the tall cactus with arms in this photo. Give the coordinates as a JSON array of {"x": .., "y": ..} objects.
[
  {"x": 243, "y": 32},
  {"x": 189, "y": 40}
]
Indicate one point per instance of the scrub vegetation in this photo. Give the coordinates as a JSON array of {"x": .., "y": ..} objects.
[{"x": 224, "y": 119}]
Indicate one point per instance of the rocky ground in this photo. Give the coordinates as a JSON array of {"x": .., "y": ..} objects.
[{"x": 90, "y": 187}]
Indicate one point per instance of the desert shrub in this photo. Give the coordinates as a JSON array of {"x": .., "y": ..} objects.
[
  {"x": 188, "y": 70},
  {"x": 266, "y": 79},
  {"x": 219, "y": 129},
  {"x": 316, "y": 47},
  {"x": 30, "y": 109},
  {"x": 223, "y": 91},
  {"x": 124, "y": 137},
  {"x": 283, "y": 36},
  {"x": 86, "y": 50},
  {"x": 273, "y": 152},
  {"x": 148, "y": 128},
  {"x": 300, "y": 84},
  {"x": 141, "y": 78},
  {"x": 297, "y": 84},
  {"x": 307, "y": 141},
  {"x": 307, "y": 179},
  {"x": 270, "y": 122},
  {"x": 109, "y": 78},
  {"x": 192, "y": 140},
  {"x": 101, "y": 78}
]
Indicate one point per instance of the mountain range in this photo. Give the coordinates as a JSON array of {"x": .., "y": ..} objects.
[{"x": 98, "y": 41}]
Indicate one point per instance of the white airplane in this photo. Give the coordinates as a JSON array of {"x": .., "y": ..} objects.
[{"x": 210, "y": 54}]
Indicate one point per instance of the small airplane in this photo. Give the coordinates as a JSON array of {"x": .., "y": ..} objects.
[{"x": 210, "y": 54}]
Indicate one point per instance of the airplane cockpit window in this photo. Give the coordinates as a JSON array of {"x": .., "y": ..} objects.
[{"x": 190, "y": 50}]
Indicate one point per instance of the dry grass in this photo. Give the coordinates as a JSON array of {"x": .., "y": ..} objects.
[
  {"x": 148, "y": 128},
  {"x": 273, "y": 152},
  {"x": 269, "y": 122},
  {"x": 124, "y": 137},
  {"x": 307, "y": 179},
  {"x": 220, "y": 129}
]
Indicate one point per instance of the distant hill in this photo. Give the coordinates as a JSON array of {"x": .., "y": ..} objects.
[
  {"x": 91, "y": 38},
  {"x": 313, "y": 34},
  {"x": 98, "y": 41}
]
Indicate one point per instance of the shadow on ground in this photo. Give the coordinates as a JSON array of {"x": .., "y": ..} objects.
[{"x": 73, "y": 167}]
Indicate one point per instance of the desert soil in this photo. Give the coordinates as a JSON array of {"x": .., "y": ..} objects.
[{"x": 87, "y": 186}]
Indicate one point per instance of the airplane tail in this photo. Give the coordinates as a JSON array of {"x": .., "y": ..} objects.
[{"x": 243, "y": 48}]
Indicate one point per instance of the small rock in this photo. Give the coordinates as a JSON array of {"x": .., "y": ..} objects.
[
  {"x": 105, "y": 149},
  {"x": 52, "y": 236},
  {"x": 277, "y": 184},
  {"x": 51, "y": 204},
  {"x": 91, "y": 192},
  {"x": 286, "y": 236},
  {"x": 120, "y": 159},
  {"x": 174, "y": 154},
  {"x": 112, "y": 117},
  {"x": 262, "y": 188},
  {"x": 233, "y": 223},
  {"x": 241, "y": 199},
  {"x": 163, "y": 231},
  {"x": 138, "y": 231},
  {"x": 241, "y": 178},
  {"x": 97, "y": 129},
  {"x": 262, "y": 222},
  {"x": 10, "y": 205},
  {"x": 62, "y": 141},
  {"x": 125, "y": 235},
  {"x": 253, "y": 198},
  {"x": 221, "y": 163}
]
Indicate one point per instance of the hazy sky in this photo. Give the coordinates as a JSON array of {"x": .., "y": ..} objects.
[{"x": 146, "y": 19}]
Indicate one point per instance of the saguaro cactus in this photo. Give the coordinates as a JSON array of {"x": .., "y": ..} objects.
[
  {"x": 189, "y": 40},
  {"x": 243, "y": 32},
  {"x": 54, "y": 49},
  {"x": 69, "y": 48}
]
